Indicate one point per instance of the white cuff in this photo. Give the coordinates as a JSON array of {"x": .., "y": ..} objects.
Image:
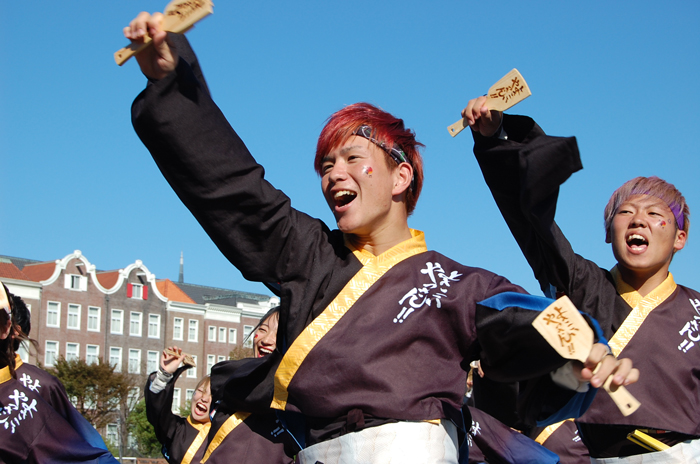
[{"x": 565, "y": 378}]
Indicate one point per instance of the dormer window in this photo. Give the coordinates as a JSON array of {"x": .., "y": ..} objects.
[
  {"x": 137, "y": 291},
  {"x": 76, "y": 282}
]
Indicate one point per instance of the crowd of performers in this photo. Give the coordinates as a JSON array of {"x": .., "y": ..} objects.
[{"x": 366, "y": 358}]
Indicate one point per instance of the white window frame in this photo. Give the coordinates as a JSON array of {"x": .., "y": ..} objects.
[
  {"x": 120, "y": 327},
  {"x": 221, "y": 358},
  {"x": 23, "y": 352},
  {"x": 117, "y": 365},
  {"x": 232, "y": 339},
  {"x": 76, "y": 282},
  {"x": 49, "y": 362},
  {"x": 76, "y": 312},
  {"x": 177, "y": 326},
  {"x": 137, "y": 288},
  {"x": 70, "y": 356},
  {"x": 94, "y": 319},
  {"x": 247, "y": 330},
  {"x": 175, "y": 408},
  {"x": 135, "y": 323},
  {"x": 152, "y": 361},
  {"x": 134, "y": 361},
  {"x": 192, "y": 371},
  {"x": 112, "y": 433},
  {"x": 211, "y": 360},
  {"x": 88, "y": 355},
  {"x": 212, "y": 333},
  {"x": 189, "y": 393},
  {"x": 56, "y": 312},
  {"x": 154, "y": 323},
  {"x": 222, "y": 334},
  {"x": 193, "y": 330}
]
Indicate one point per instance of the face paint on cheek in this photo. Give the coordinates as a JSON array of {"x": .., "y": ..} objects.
[
  {"x": 368, "y": 170},
  {"x": 662, "y": 223}
]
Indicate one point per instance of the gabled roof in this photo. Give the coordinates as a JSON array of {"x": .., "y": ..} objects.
[
  {"x": 108, "y": 279},
  {"x": 19, "y": 262},
  {"x": 10, "y": 271},
  {"x": 172, "y": 292},
  {"x": 40, "y": 271}
]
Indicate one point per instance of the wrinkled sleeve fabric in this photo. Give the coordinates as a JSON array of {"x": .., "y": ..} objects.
[
  {"x": 215, "y": 176},
  {"x": 524, "y": 174}
]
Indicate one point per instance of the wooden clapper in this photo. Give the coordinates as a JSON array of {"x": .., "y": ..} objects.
[
  {"x": 508, "y": 91},
  {"x": 566, "y": 330},
  {"x": 187, "y": 361},
  {"x": 180, "y": 16}
]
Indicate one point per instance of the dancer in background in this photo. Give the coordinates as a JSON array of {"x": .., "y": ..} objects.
[{"x": 646, "y": 316}]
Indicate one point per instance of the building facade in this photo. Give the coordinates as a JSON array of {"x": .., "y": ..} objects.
[{"x": 128, "y": 316}]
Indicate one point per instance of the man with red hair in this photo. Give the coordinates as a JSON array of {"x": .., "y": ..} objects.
[
  {"x": 645, "y": 315},
  {"x": 375, "y": 332}
]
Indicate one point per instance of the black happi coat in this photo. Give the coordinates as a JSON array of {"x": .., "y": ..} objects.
[
  {"x": 174, "y": 432},
  {"x": 54, "y": 393},
  {"x": 256, "y": 437},
  {"x": 31, "y": 431},
  {"x": 524, "y": 174},
  {"x": 256, "y": 228}
]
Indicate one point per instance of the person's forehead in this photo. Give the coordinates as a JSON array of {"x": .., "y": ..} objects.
[
  {"x": 355, "y": 142},
  {"x": 645, "y": 201}
]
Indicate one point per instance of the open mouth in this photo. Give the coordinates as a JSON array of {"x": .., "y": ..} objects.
[
  {"x": 263, "y": 352},
  {"x": 343, "y": 198},
  {"x": 201, "y": 409},
  {"x": 637, "y": 243}
]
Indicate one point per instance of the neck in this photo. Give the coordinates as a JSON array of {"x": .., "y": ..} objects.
[
  {"x": 643, "y": 282},
  {"x": 380, "y": 241}
]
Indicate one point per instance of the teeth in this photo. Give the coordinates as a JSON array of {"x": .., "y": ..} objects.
[
  {"x": 343, "y": 193},
  {"x": 636, "y": 237},
  {"x": 264, "y": 350}
]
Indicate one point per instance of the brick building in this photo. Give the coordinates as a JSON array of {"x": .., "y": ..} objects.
[{"x": 128, "y": 316}]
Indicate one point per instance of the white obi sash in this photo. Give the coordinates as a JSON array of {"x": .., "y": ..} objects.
[{"x": 395, "y": 443}]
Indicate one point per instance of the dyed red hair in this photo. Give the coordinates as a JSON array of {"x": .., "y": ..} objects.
[{"x": 385, "y": 128}]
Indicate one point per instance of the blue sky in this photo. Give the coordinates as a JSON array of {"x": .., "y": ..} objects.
[{"x": 620, "y": 76}]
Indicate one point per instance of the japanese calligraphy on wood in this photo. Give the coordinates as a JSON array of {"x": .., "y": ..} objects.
[
  {"x": 180, "y": 16},
  {"x": 566, "y": 330},
  {"x": 505, "y": 93}
]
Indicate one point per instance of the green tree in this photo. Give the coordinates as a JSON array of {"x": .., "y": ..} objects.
[
  {"x": 147, "y": 444},
  {"x": 101, "y": 395}
]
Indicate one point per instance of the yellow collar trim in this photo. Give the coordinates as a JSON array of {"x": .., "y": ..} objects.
[
  {"x": 231, "y": 423},
  {"x": 18, "y": 361},
  {"x": 5, "y": 374},
  {"x": 198, "y": 440},
  {"x": 548, "y": 431},
  {"x": 374, "y": 267},
  {"x": 641, "y": 307}
]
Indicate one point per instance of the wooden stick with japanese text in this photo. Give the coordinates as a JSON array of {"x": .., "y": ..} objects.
[
  {"x": 180, "y": 16},
  {"x": 505, "y": 93},
  {"x": 188, "y": 361},
  {"x": 566, "y": 330}
]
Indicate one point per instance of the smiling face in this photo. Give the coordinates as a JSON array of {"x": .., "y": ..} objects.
[
  {"x": 201, "y": 401},
  {"x": 644, "y": 237},
  {"x": 265, "y": 338},
  {"x": 361, "y": 188}
]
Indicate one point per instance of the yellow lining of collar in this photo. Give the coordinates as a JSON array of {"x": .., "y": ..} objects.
[
  {"x": 231, "y": 423},
  {"x": 198, "y": 440},
  {"x": 5, "y": 374},
  {"x": 641, "y": 307},
  {"x": 374, "y": 267},
  {"x": 548, "y": 431}
]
